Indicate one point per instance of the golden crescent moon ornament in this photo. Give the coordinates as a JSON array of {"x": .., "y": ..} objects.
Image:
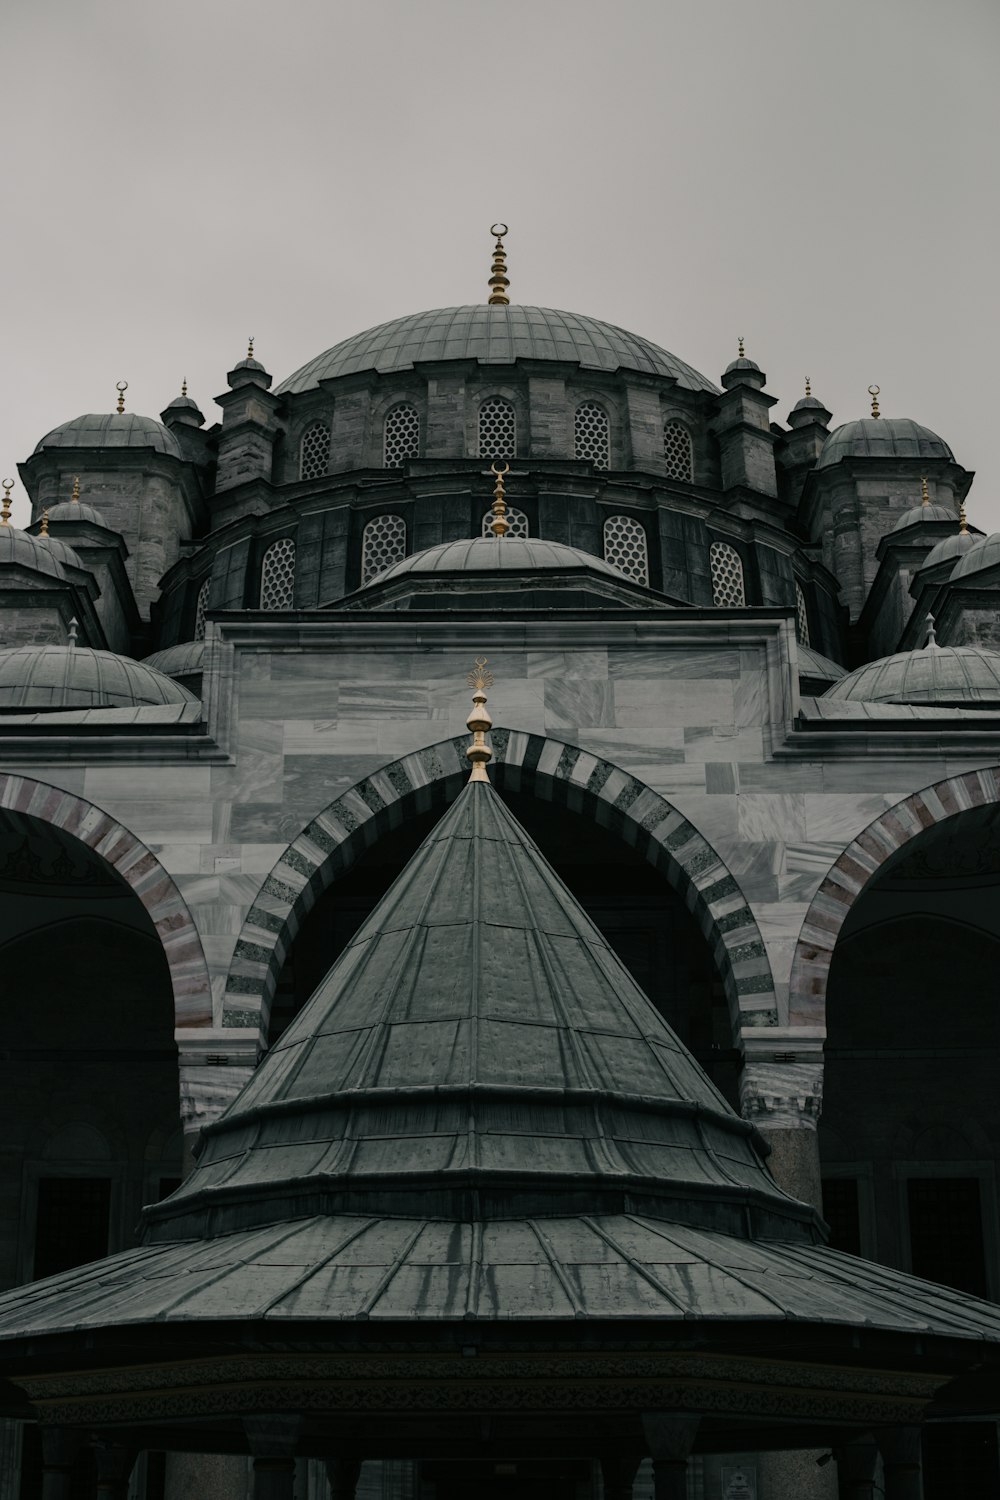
[{"x": 499, "y": 230}]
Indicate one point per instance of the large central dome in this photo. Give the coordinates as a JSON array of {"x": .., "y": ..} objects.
[{"x": 494, "y": 336}]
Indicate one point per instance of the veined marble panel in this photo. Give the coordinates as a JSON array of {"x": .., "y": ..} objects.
[
  {"x": 714, "y": 817},
  {"x": 157, "y": 821},
  {"x": 836, "y": 815},
  {"x": 180, "y": 859},
  {"x": 750, "y": 700},
  {"x": 756, "y": 867},
  {"x": 342, "y": 666},
  {"x": 386, "y": 700},
  {"x": 568, "y": 665},
  {"x": 257, "y": 774},
  {"x": 675, "y": 662},
  {"x": 806, "y": 867},
  {"x": 328, "y": 737},
  {"x": 669, "y": 778},
  {"x": 720, "y": 742},
  {"x": 313, "y": 781},
  {"x": 107, "y": 785},
  {"x": 627, "y": 745},
  {"x": 765, "y": 816},
  {"x": 578, "y": 703},
  {"x": 642, "y": 701},
  {"x": 306, "y": 698}
]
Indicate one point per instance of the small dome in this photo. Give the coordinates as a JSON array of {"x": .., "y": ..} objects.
[
  {"x": 920, "y": 513},
  {"x": 111, "y": 430},
  {"x": 736, "y": 366},
  {"x": 955, "y": 675},
  {"x": 61, "y": 551},
  {"x": 53, "y": 677},
  {"x": 809, "y": 403},
  {"x": 950, "y": 548},
  {"x": 818, "y": 668},
  {"x": 184, "y": 660},
  {"x": 77, "y": 510},
  {"x": 491, "y": 554},
  {"x": 21, "y": 549},
  {"x": 985, "y": 553},
  {"x": 882, "y": 437}
]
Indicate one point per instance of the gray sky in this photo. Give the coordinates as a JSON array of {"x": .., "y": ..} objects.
[{"x": 819, "y": 178}]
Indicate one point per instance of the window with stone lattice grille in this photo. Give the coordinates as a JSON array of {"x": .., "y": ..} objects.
[
  {"x": 801, "y": 615},
  {"x": 314, "y": 451},
  {"x": 497, "y": 428},
  {"x": 728, "y": 591},
  {"x": 592, "y": 434},
  {"x": 677, "y": 452},
  {"x": 383, "y": 542},
  {"x": 625, "y": 547},
  {"x": 517, "y": 522},
  {"x": 199, "y": 611},
  {"x": 277, "y": 575},
  {"x": 401, "y": 437}
]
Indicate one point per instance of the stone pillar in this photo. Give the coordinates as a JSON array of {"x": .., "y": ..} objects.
[
  {"x": 273, "y": 1440},
  {"x": 60, "y": 1447},
  {"x": 856, "y": 1466},
  {"x": 114, "y": 1465},
  {"x": 618, "y": 1475},
  {"x": 902, "y": 1458},
  {"x": 342, "y": 1474},
  {"x": 669, "y": 1437}
]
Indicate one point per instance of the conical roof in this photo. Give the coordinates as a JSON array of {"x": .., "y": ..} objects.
[{"x": 478, "y": 1045}]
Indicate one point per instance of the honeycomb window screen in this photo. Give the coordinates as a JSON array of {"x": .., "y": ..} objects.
[
  {"x": 801, "y": 616},
  {"x": 497, "y": 429},
  {"x": 625, "y": 547},
  {"x": 517, "y": 522},
  {"x": 728, "y": 591},
  {"x": 314, "y": 451},
  {"x": 401, "y": 437},
  {"x": 199, "y": 611},
  {"x": 592, "y": 434},
  {"x": 277, "y": 575},
  {"x": 677, "y": 452},
  {"x": 383, "y": 542}
]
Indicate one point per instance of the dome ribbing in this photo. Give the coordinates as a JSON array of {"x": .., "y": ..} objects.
[
  {"x": 53, "y": 677},
  {"x": 882, "y": 437},
  {"x": 490, "y": 554},
  {"x": 935, "y": 674}
]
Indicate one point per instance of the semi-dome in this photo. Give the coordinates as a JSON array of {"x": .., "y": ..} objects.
[
  {"x": 63, "y": 553},
  {"x": 984, "y": 553},
  {"x": 919, "y": 514},
  {"x": 947, "y": 675},
  {"x": 20, "y": 549},
  {"x": 951, "y": 548},
  {"x": 112, "y": 429},
  {"x": 77, "y": 510},
  {"x": 181, "y": 661},
  {"x": 882, "y": 437},
  {"x": 494, "y": 336},
  {"x": 491, "y": 554},
  {"x": 813, "y": 667},
  {"x": 54, "y": 677}
]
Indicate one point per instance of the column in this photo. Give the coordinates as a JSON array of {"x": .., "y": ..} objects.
[
  {"x": 60, "y": 1446},
  {"x": 114, "y": 1465},
  {"x": 342, "y": 1474},
  {"x": 618, "y": 1475},
  {"x": 669, "y": 1437},
  {"x": 856, "y": 1465},
  {"x": 273, "y": 1441},
  {"x": 901, "y": 1455}
]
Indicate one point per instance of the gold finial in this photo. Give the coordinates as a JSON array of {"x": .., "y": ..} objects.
[
  {"x": 479, "y": 721},
  {"x": 249, "y": 348},
  {"x": 873, "y": 391},
  {"x": 121, "y": 387},
  {"x": 43, "y": 530},
  {"x": 498, "y": 280},
  {"x": 739, "y": 342},
  {"x": 184, "y": 386},
  {"x": 8, "y": 485},
  {"x": 75, "y": 497},
  {"x": 499, "y": 524},
  {"x": 963, "y": 522},
  {"x": 925, "y": 498},
  {"x": 809, "y": 389}
]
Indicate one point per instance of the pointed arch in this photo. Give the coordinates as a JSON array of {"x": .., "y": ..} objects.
[
  {"x": 141, "y": 870},
  {"x": 563, "y": 773},
  {"x": 852, "y": 872}
]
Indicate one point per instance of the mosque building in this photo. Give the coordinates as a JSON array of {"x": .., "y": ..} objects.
[{"x": 746, "y": 724}]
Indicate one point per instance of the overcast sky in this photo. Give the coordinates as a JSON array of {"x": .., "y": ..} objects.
[{"x": 819, "y": 178}]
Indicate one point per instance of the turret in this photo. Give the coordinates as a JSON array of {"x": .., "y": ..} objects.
[
  {"x": 743, "y": 428},
  {"x": 249, "y": 425}
]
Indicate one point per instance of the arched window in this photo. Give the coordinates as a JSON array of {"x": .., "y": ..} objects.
[
  {"x": 592, "y": 434},
  {"x": 625, "y": 547},
  {"x": 314, "y": 451},
  {"x": 401, "y": 438},
  {"x": 728, "y": 591},
  {"x": 677, "y": 453},
  {"x": 517, "y": 522},
  {"x": 497, "y": 429},
  {"x": 277, "y": 575},
  {"x": 801, "y": 615},
  {"x": 199, "y": 611},
  {"x": 383, "y": 542}
]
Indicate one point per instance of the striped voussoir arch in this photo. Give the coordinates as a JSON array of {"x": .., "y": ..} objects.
[
  {"x": 544, "y": 767},
  {"x": 851, "y": 872},
  {"x": 140, "y": 869}
]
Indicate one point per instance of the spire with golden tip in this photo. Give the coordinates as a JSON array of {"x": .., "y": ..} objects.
[
  {"x": 873, "y": 391},
  {"x": 479, "y": 721},
  {"x": 963, "y": 520},
  {"x": 121, "y": 387},
  {"x": 498, "y": 281},
  {"x": 75, "y": 497},
  {"x": 739, "y": 345},
  {"x": 499, "y": 524},
  {"x": 43, "y": 530},
  {"x": 809, "y": 390},
  {"x": 250, "y": 348},
  {"x": 925, "y": 498},
  {"x": 184, "y": 386},
  {"x": 8, "y": 485}
]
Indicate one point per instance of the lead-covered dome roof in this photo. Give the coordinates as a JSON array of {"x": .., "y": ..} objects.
[
  {"x": 491, "y": 554},
  {"x": 20, "y": 549},
  {"x": 53, "y": 677},
  {"x": 882, "y": 437},
  {"x": 953, "y": 675},
  {"x": 984, "y": 553},
  {"x": 104, "y": 429},
  {"x": 494, "y": 336}
]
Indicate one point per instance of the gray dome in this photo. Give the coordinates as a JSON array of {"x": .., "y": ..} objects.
[
  {"x": 882, "y": 437},
  {"x": 950, "y": 548},
  {"x": 817, "y": 667},
  {"x": 21, "y": 549},
  {"x": 60, "y": 550},
  {"x": 809, "y": 403},
  {"x": 185, "y": 660},
  {"x": 920, "y": 513},
  {"x": 491, "y": 554},
  {"x": 77, "y": 510},
  {"x": 52, "y": 677},
  {"x": 984, "y": 554},
  {"x": 113, "y": 429},
  {"x": 736, "y": 366},
  {"x": 935, "y": 674},
  {"x": 494, "y": 336}
]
